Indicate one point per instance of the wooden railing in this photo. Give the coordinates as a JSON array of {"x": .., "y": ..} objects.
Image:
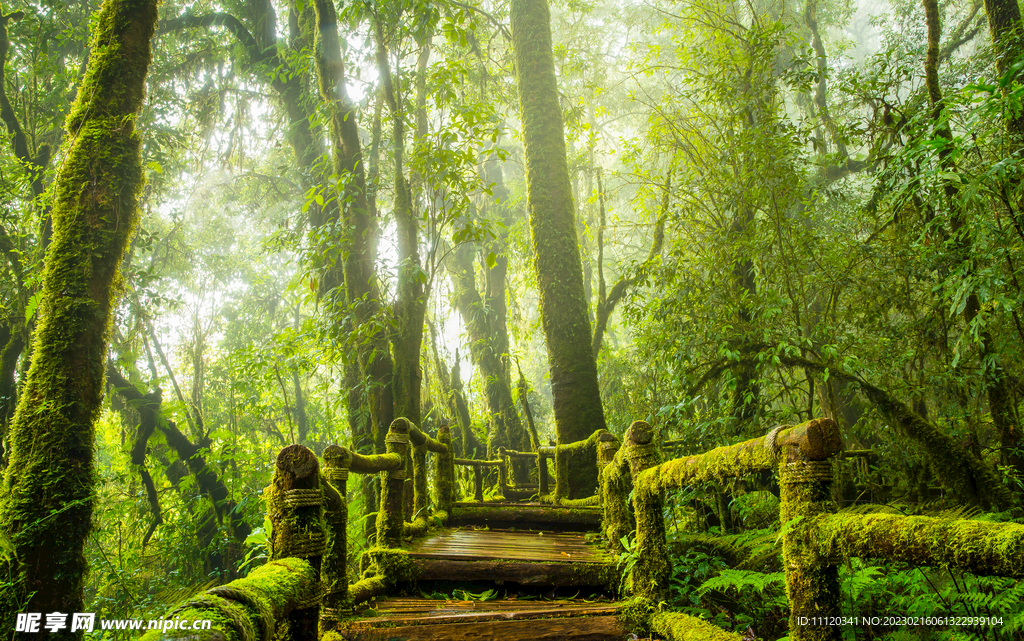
[
  {"x": 305, "y": 585},
  {"x": 815, "y": 538},
  {"x": 478, "y": 467}
]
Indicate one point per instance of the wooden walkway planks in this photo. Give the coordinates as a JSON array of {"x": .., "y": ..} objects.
[
  {"x": 598, "y": 628},
  {"x": 413, "y": 611},
  {"x": 458, "y": 544},
  {"x": 507, "y": 619}
]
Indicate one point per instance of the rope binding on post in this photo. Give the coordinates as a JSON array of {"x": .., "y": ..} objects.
[
  {"x": 807, "y": 471},
  {"x": 770, "y": 442},
  {"x": 303, "y": 498}
]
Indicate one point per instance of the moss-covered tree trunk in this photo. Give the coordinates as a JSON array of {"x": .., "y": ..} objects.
[
  {"x": 46, "y": 511},
  {"x": 411, "y": 295},
  {"x": 361, "y": 287},
  {"x": 1004, "y": 23},
  {"x": 997, "y": 390},
  {"x": 574, "y": 388},
  {"x": 487, "y": 346}
]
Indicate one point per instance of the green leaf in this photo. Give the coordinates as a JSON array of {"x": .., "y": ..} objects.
[{"x": 33, "y": 302}]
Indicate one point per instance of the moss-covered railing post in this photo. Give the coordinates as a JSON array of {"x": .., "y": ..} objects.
[
  {"x": 419, "y": 443},
  {"x": 374, "y": 582},
  {"x": 295, "y": 507},
  {"x": 573, "y": 456},
  {"x": 334, "y": 570},
  {"x": 503, "y": 475},
  {"x": 444, "y": 475},
  {"x": 617, "y": 522},
  {"x": 390, "y": 515},
  {"x": 652, "y": 570},
  {"x": 805, "y": 485},
  {"x": 543, "y": 484},
  {"x": 478, "y": 484}
]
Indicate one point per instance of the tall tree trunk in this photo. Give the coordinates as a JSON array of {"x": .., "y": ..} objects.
[
  {"x": 356, "y": 219},
  {"x": 1004, "y": 24},
  {"x": 574, "y": 387},
  {"x": 46, "y": 512},
  {"x": 487, "y": 346},
  {"x": 608, "y": 299},
  {"x": 411, "y": 298},
  {"x": 1000, "y": 401}
]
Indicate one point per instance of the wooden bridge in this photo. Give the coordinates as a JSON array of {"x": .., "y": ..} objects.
[{"x": 521, "y": 548}]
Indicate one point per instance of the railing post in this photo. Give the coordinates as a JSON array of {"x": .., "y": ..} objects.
[
  {"x": 421, "y": 495},
  {"x": 542, "y": 475},
  {"x": 607, "y": 446},
  {"x": 392, "y": 487},
  {"x": 805, "y": 488},
  {"x": 613, "y": 475},
  {"x": 295, "y": 507},
  {"x": 503, "y": 474},
  {"x": 334, "y": 572},
  {"x": 652, "y": 571},
  {"x": 444, "y": 477},
  {"x": 478, "y": 483},
  {"x": 409, "y": 488},
  {"x": 561, "y": 473}
]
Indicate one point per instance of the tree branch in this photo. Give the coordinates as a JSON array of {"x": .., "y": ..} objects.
[{"x": 606, "y": 304}]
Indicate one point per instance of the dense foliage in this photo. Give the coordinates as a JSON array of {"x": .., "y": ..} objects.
[{"x": 783, "y": 211}]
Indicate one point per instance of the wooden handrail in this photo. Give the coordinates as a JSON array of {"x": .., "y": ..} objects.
[{"x": 474, "y": 462}]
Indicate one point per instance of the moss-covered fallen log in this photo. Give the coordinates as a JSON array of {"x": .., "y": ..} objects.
[
  {"x": 248, "y": 609},
  {"x": 995, "y": 549}
]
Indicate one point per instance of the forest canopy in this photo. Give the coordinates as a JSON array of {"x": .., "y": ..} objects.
[{"x": 232, "y": 226}]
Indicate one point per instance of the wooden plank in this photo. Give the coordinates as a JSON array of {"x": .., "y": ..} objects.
[
  {"x": 387, "y": 605},
  {"x": 502, "y": 544},
  {"x": 475, "y": 617},
  {"x": 522, "y": 572},
  {"x": 514, "y": 514},
  {"x": 596, "y": 628},
  {"x": 524, "y": 504},
  {"x": 427, "y": 611}
]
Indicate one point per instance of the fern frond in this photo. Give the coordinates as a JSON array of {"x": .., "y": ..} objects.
[{"x": 741, "y": 579}]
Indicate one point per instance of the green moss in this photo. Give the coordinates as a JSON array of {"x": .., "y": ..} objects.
[
  {"x": 570, "y": 458},
  {"x": 418, "y": 527},
  {"x": 444, "y": 476},
  {"x": 976, "y": 546},
  {"x": 366, "y": 588},
  {"x": 816, "y": 440},
  {"x": 334, "y": 567},
  {"x": 616, "y": 484},
  {"x": 635, "y": 616},
  {"x": 390, "y": 516},
  {"x": 47, "y": 509},
  {"x": 294, "y": 531},
  {"x": 675, "y": 626},
  {"x": 391, "y": 564},
  {"x": 812, "y": 582},
  {"x": 240, "y": 609}
]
